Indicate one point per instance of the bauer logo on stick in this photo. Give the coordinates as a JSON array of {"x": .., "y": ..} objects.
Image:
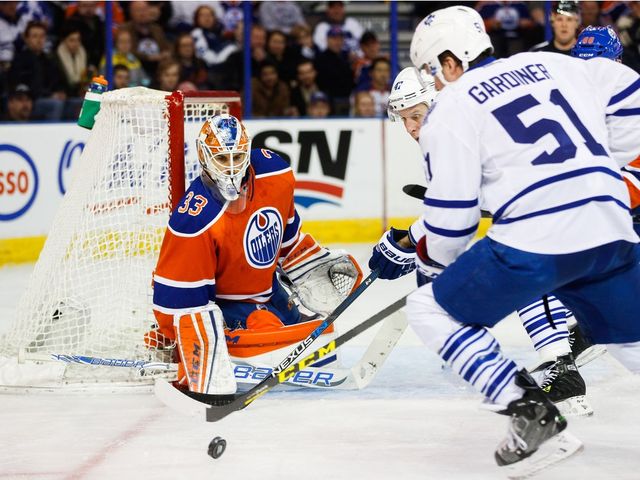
[{"x": 262, "y": 238}]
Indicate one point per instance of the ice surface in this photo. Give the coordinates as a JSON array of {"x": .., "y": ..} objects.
[{"x": 415, "y": 421}]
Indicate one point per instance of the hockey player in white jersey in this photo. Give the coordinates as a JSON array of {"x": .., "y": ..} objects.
[
  {"x": 540, "y": 137},
  {"x": 545, "y": 320}
]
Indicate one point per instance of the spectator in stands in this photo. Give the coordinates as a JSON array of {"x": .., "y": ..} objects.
[
  {"x": 629, "y": 26},
  {"x": 303, "y": 42},
  {"x": 281, "y": 55},
  {"x": 590, "y": 14},
  {"x": 168, "y": 75},
  {"x": 72, "y": 59},
  {"x": 147, "y": 36},
  {"x": 19, "y": 104},
  {"x": 363, "y": 104},
  {"x": 507, "y": 23},
  {"x": 335, "y": 17},
  {"x": 121, "y": 77},
  {"x": 565, "y": 22},
  {"x": 232, "y": 14},
  {"x": 40, "y": 72},
  {"x": 270, "y": 95},
  {"x": 211, "y": 46},
  {"x": 234, "y": 66},
  {"x": 306, "y": 86},
  {"x": 334, "y": 72},
  {"x": 13, "y": 21},
  {"x": 380, "y": 84},
  {"x": 123, "y": 55},
  {"x": 192, "y": 68},
  {"x": 91, "y": 27},
  {"x": 182, "y": 14},
  {"x": 370, "y": 48},
  {"x": 319, "y": 106},
  {"x": 282, "y": 16}
]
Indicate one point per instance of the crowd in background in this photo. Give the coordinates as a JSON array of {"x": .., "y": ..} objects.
[{"x": 303, "y": 63}]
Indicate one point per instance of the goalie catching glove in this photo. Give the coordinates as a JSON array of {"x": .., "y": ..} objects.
[
  {"x": 427, "y": 269},
  {"x": 319, "y": 277},
  {"x": 392, "y": 260}
]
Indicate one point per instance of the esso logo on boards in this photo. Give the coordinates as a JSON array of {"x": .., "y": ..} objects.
[
  {"x": 18, "y": 182},
  {"x": 70, "y": 153}
]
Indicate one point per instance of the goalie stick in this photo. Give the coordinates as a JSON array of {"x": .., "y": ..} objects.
[
  {"x": 213, "y": 409},
  {"x": 356, "y": 377}
]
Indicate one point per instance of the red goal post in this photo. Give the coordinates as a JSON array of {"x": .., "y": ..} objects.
[
  {"x": 184, "y": 107},
  {"x": 90, "y": 292}
]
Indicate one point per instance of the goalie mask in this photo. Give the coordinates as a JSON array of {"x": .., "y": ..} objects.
[
  {"x": 224, "y": 152},
  {"x": 411, "y": 87},
  {"x": 598, "y": 42},
  {"x": 457, "y": 29}
]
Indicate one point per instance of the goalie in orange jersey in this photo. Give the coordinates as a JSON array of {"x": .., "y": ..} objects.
[{"x": 234, "y": 229}]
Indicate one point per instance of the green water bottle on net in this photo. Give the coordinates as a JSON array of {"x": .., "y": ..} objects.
[{"x": 91, "y": 104}]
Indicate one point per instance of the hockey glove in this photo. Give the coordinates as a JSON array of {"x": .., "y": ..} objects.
[
  {"x": 392, "y": 260},
  {"x": 428, "y": 269}
]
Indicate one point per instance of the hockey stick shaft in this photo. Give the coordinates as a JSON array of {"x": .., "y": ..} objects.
[
  {"x": 223, "y": 405},
  {"x": 219, "y": 410}
]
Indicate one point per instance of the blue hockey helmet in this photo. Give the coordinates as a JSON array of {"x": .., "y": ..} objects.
[{"x": 597, "y": 42}]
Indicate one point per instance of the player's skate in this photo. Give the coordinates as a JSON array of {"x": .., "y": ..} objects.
[
  {"x": 564, "y": 386},
  {"x": 536, "y": 438},
  {"x": 581, "y": 348}
]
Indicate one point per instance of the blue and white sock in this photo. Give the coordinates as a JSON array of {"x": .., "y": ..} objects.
[
  {"x": 550, "y": 341},
  {"x": 475, "y": 355}
]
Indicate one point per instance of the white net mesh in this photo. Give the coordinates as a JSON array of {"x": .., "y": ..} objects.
[{"x": 90, "y": 292}]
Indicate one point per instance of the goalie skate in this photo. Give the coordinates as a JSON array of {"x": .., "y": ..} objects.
[
  {"x": 565, "y": 387},
  {"x": 536, "y": 437}
]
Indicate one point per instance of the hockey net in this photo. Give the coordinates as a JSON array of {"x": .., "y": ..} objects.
[{"x": 90, "y": 293}]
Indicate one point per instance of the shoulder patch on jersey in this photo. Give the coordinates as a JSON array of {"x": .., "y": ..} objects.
[
  {"x": 197, "y": 210},
  {"x": 266, "y": 162}
]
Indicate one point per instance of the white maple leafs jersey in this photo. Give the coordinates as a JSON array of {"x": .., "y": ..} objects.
[{"x": 538, "y": 139}]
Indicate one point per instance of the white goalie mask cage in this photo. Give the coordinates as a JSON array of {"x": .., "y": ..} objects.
[
  {"x": 457, "y": 29},
  {"x": 411, "y": 87}
]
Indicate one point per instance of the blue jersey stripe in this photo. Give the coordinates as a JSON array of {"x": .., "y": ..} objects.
[
  {"x": 445, "y": 232},
  {"x": 176, "y": 298},
  {"x": 291, "y": 230},
  {"x": 625, "y": 112},
  {"x": 432, "y": 202},
  {"x": 566, "y": 206},
  {"x": 554, "y": 179},
  {"x": 625, "y": 93}
]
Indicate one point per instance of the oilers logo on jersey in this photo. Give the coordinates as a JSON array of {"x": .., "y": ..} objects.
[{"x": 262, "y": 237}]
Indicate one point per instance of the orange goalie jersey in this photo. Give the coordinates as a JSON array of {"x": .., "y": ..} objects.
[{"x": 209, "y": 253}]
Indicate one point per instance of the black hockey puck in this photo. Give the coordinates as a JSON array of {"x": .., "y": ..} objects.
[{"x": 217, "y": 447}]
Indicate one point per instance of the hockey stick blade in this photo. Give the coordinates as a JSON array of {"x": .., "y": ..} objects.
[
  {"x": 221, "y": 406},
  {"x": 418, "y": 192}
]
